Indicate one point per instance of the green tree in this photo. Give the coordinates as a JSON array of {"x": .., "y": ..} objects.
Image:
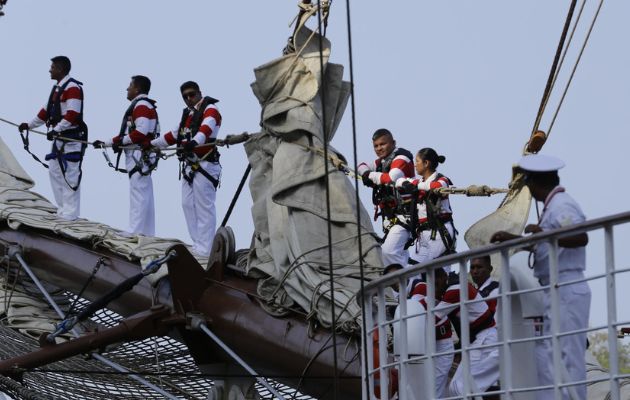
[{"x": 599, "y": 348}]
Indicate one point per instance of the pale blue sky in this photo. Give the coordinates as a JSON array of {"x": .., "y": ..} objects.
[{"x": 460, "y": 76}]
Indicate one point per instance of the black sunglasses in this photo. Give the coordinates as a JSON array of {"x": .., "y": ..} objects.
[{"x": 188, "y": 95}]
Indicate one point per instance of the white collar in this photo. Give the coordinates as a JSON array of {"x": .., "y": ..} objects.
[
  {"x": 63, "y": 80},
  {"x": 141, "y": 95}
]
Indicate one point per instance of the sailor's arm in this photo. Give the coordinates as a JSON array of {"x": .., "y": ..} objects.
[
  {"x": 39, "y": 120},
  {"x": 168, "y": 139},
  {"x": 396, "y": 171},
  {"x": 209, "y": 127}
]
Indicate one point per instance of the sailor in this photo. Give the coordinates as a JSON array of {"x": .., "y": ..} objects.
[
  {"x": 392, "y": 164},
  {"x": 433, "y": 224},
  {"x": 199, "y": 158},
  {"x": 443, "y": 341},
  {"x": 559, "y": 210},
  {"x": 480, "y": 270},
  {"x": 484, "y": 362},
  {"x": 139, "y": 126},
  {"x": 63, "y": 116},
  {"x": 417, "y": 290}
]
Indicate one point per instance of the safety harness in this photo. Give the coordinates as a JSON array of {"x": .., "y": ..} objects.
[
  {"x": 191, "y": 159},
  {"x": 54, "y": 116},
  {"x": 386, "y": 199},
  {"x": 436, "y": 223},
  {"x": 147, "y": 157},
  {"x": 485, "y": 292},
  {"x": 485, "y": 321}
]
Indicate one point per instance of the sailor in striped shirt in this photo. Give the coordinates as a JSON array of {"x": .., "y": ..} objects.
[
  {"x": 63, "y": 116},
  {"x": 435, "y": 229},
  {"x": 200, "y": 168},
  {"x": 484, "y": 362},
  {"x": 393, "y": 163},
  {"x": 139, "y": 126}
]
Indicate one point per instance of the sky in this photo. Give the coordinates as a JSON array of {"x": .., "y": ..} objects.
[{"x": 462, "y": 77}]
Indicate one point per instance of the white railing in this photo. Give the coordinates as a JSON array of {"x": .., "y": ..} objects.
[{"x": 415, "y": 373}]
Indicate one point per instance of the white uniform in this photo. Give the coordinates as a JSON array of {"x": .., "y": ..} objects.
[
  {"x": 71, "y": 104},
  {"x": 141, "y": 203},
  {"x": 443, "y": 343},
  {"x": 484, "y": 362},
  {"x": 561, "y": 210},
  {"x": 492, "y": 302},
  {"x": 426, "y": 248},
  {"x": 198, "y": 192},
  {"x": 398, "y": 164}
]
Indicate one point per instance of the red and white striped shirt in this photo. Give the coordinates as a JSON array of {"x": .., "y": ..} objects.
[
  {"x": 70, "y": 102},
  {"x": 208, "y": 130},
  {"x": 144, "y": 118},
  {"x": 400, "y": 167},
  {"x": 435, "y": 181},
  {"x": 478, "y": 312},
  {"x": 442, "y": 324}
]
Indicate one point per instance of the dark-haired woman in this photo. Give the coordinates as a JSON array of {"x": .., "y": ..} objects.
[{"x": 436, "y": 232}]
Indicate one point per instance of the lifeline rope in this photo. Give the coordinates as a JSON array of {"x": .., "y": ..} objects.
[{"x": 229, "y": 140}]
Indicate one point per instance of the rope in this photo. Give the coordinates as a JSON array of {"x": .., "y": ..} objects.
[
  {"x": 552, "y": 73},
  {"x": 565, "y": 51},
  {"x": 358, "y": 204},
  {"x": 236, "y": 195},
  {"x": 471, "y": 191},
  {"x": 69, "y": 322},
  {"x": 45, "y": 134},
  {"x": 229, "y": 140},
  {"x": 180, "y": 374},
  {"x": 99, "y": 263},
  {"x": 328, "y": 214},
  {"x": 566, "y": 88}
]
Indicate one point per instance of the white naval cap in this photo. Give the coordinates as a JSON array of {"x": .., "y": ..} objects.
[{"x": 540, "y": 163}]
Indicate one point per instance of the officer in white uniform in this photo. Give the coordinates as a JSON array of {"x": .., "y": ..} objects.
[{"x": 559, "y": 210}]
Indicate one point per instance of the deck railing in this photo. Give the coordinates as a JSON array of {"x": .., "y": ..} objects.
[{"x": 403, "y": 366}]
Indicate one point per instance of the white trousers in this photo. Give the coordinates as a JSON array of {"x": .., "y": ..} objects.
[
  {"x": 393, "y": 248},
  {"x": 442, "y": 365},
  {"x": 141, "y": 203},
  {"x": 426, "y": 249},
  {"x": 198, "y": 204},
  {"x": 575, "y": 302},
  {"x": 484, "y": 365},
  {"x": 68, "y": 200}
]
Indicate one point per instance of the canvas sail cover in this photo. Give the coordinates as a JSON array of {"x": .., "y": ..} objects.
[{"x": 300, "y": 107}]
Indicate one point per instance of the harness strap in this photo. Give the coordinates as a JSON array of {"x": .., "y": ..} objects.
[
  {"x": 26, "y": 143},
  {"x": 194, "y": 168},
  {"x": 80, "y": 132},
  {"x": 485, "y": 321},
  {"x": 486, "y": 291}
]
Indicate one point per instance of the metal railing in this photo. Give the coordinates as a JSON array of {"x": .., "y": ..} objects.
[{"x": 402, "y": 367}]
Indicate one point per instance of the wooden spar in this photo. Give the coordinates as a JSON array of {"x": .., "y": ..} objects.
[
  {"x": 282, "y": 348},
  {"x": 141, "y": 326}
]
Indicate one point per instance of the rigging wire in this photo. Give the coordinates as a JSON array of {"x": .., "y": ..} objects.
[
  {"x": 364, "y": 336},
  {"x": 565, "y": 51},
  {"x": 325, "y": 134},
  {"x": 566, "y": 88},
  {"x": 236, "y": 195},
  {"x": 554, "y": 66}
]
